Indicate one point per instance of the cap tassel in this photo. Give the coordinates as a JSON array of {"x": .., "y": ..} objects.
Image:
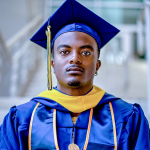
[{"x": 49, "y": 70}]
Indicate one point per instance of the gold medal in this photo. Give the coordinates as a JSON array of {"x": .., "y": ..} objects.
[{"x": 73, "y": 147}]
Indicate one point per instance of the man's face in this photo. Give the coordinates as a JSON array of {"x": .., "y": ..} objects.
[{"x": 75, "y": 59}]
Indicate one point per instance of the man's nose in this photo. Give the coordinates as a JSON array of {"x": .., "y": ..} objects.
[{"x": 75, "y": 58}]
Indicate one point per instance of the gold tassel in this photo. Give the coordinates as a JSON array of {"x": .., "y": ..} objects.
[{"x": 49, "y": 70}]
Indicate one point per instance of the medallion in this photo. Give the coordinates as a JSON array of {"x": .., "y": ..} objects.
[{"x": 73, "y": 147}]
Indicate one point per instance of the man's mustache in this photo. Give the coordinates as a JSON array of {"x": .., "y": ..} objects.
[{"x": 71, "y": 67}]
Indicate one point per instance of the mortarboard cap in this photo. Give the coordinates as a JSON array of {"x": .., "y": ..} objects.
[{"x": 72, "y": 13}]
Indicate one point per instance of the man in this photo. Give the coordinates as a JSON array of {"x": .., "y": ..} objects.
[{"x": 75, "y": 114}]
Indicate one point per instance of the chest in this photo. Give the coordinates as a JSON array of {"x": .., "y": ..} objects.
[{"x": 101, "y": 132}]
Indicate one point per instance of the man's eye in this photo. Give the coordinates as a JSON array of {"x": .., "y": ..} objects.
[
  {"x": 86, "y": 53},
  {"x": 64, "y": 52}
]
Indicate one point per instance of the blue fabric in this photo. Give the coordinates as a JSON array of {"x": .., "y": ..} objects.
[
  {"x": 73, "y": 12},
  {"x": 81, "y": 28},
  {"x": 14, "y": 130},
  {"x": 131, "y": 126}
]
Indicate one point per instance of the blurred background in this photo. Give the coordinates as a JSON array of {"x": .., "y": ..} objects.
[{"x": 125, "y": 70}]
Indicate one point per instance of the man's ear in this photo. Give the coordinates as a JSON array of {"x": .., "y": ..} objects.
[
  {"x": 98, "y": 65},
  {"x": 53, "y": 64}
]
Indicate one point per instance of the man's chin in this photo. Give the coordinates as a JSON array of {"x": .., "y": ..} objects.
[{"x": 74, "y": 83}]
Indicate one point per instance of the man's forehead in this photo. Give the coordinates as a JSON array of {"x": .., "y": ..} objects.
[{"x": 74, "y": 38}]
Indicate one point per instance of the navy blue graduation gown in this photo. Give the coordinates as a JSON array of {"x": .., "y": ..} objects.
[{"x": 131, "y": 126}]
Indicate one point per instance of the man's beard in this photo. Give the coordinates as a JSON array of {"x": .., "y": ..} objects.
[{"x": 74, "y": 83}]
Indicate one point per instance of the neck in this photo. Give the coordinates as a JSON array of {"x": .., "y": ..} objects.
[{"x": 74, "y": 91}]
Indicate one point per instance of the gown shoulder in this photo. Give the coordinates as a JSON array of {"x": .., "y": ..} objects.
[
  {"x": 132, "y": 126},
  {"x": 16, "y": 124}
]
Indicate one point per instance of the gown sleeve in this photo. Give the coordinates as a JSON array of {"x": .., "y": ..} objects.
[
  {"x": 138, "y": 129},
  {"x": 8, "y": 131}
]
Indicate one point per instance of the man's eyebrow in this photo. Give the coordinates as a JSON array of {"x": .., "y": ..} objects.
[
  {"x": 87, "y": 46},
  {"x": 63, "y": 46}
]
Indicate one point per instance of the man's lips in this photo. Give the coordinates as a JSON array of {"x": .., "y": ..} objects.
[{"x": 75, "y": 69}]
